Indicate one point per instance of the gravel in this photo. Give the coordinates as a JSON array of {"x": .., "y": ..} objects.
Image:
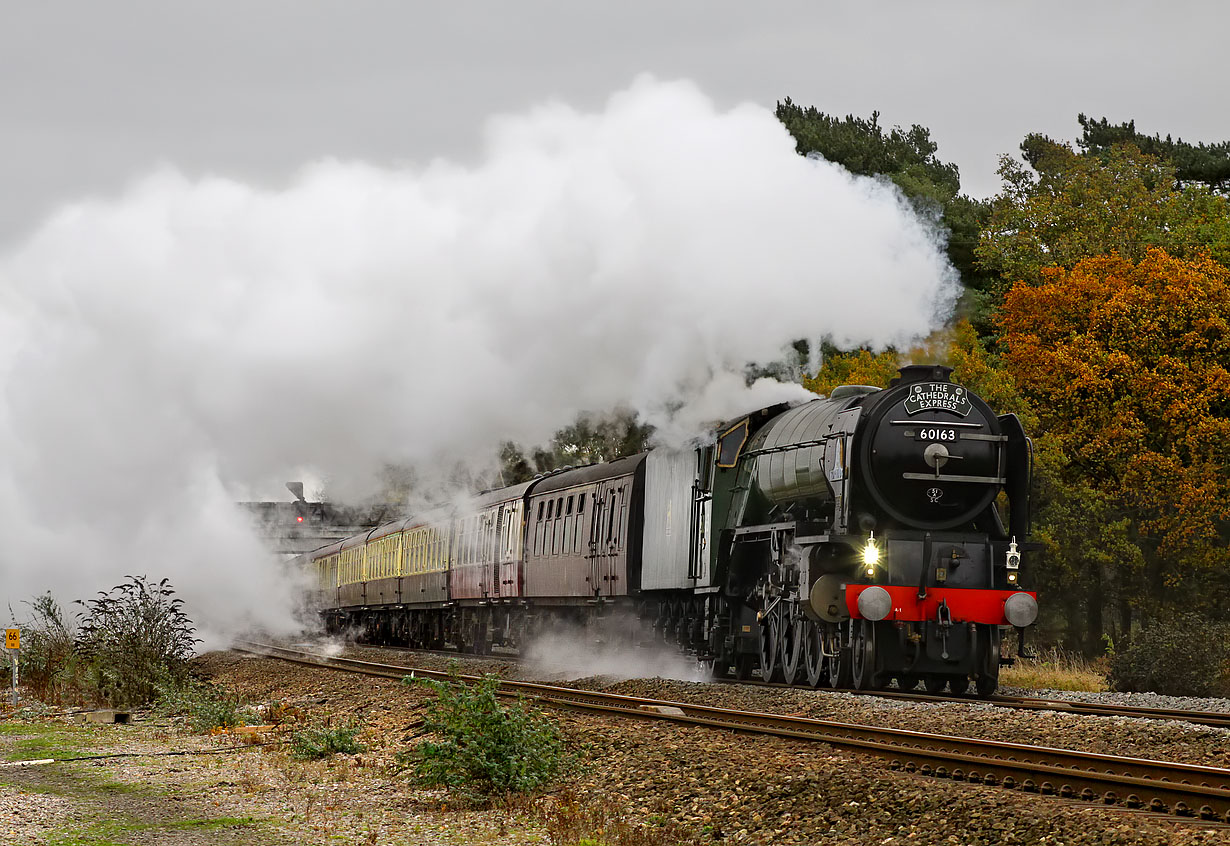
[
  {"x": 1138, "y": 700},
  {"x": 719, "y": 786},
  {"x": 666, "y": 783},
  {"x": 1161, "y": 739}
]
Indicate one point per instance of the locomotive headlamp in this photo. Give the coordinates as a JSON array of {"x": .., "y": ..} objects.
[
  {"x": 1013, "y": 559},
  {"x": 871, "y": 555}
]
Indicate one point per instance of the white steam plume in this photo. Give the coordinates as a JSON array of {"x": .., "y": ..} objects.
[{"x": 166, "y": 349}]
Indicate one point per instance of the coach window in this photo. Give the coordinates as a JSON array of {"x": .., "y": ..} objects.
[
  {"x": 610, "y": 522},
  {"x": 538, "y": 529},
  {"x": 569, "y": 529},
  {"x": 578, "y": 526},
  {"x": 544, "y": 545},
  {"x": 549, "y": 526},
  {"x": 623, "y": 519},
  {"x": 558, "y": 533}
]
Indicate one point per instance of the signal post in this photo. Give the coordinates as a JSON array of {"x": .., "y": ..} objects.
[{"x": 12, "y": 645}]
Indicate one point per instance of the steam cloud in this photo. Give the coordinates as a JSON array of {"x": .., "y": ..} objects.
[{"x": 169, "y": 351}]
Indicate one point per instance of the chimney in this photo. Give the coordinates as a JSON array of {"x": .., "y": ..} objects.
[{"x": 923, "y": 373}]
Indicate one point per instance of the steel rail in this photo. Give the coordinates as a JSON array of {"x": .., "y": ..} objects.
[
  {"x": 1187, "y": 790},
  {"x": 1214, "y": 719}
]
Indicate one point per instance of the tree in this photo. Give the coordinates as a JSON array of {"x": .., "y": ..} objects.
[
  {"x": 1208, "y": 164},
  {"x": 1091, "y": 563},
  {"x": 591, "y": 438},
  {"x": 1126, "y": 362},
  {"x": 858, "y": 367},
  {"x": 907, "y": 157},
  {"x": 1065, "y": 207},
  {"x": 959, "y": 347}
]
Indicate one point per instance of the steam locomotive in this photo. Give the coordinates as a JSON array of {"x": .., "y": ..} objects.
[{"x": 856, "y": 540}]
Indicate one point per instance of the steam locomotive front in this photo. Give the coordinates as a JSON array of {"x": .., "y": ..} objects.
[
  {"x": 939, "y": 571},
  {"x": 869, "y": 528}
]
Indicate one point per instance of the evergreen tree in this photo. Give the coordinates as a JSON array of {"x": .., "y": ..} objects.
[
  {"x": 1208, "y": 164},
  {"x": 907, "y": 157}
]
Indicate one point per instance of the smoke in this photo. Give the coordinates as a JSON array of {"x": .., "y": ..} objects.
[
  {"x": 574, "y": 652},
  {"x": 166, "y": 352}
]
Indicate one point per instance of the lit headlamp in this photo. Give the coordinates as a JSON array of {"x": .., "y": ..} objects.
[{"x": 871, "y": 556}]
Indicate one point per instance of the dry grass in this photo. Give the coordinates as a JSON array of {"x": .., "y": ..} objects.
[
  {"x": 1056, "y": 670},
  {"x": 571, "y": 820}
]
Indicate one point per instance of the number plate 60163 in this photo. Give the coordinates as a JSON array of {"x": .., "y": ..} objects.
[{"x": 937, "y": 433}]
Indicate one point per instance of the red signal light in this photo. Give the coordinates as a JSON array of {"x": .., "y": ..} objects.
[{"x": 299, "y": 519}]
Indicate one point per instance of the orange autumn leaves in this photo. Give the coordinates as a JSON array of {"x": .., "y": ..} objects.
[{"x": 1126, "y": 364}]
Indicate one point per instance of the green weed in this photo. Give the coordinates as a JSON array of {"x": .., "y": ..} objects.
[
  {"x": 481, "y": 745},
  {"x": 206, "y": 707},
  {"x": 316, "y": 742}
]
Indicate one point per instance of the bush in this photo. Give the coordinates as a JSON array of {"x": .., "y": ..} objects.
[
  {"x": 135, "y": 640},
  {"x": 483, "y": 746},
  {"x": 49, "y": 666},
  {"x": 315, "y": 742},
  {"x": 1181, "y": 656}
]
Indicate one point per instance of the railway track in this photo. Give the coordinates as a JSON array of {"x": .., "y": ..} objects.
[
  {"x": 1184, "y": 790},
  {"x": 1215, "y": 719}
]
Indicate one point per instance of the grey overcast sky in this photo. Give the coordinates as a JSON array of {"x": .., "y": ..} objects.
[{"x": 95, "y": 94}]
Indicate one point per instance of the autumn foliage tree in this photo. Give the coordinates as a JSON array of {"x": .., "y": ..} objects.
[
  {"x": 958, "y": 346},
  {"x": 1126, "y": 363},
  {"x": 857, "y": 367},
  {"x": 1058, "y": 207}
]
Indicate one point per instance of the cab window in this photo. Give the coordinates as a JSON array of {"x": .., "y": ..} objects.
[{"x": 730, "y": 444}]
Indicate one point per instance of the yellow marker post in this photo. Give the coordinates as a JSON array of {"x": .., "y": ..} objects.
[{"x": 12, "y": 642}]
